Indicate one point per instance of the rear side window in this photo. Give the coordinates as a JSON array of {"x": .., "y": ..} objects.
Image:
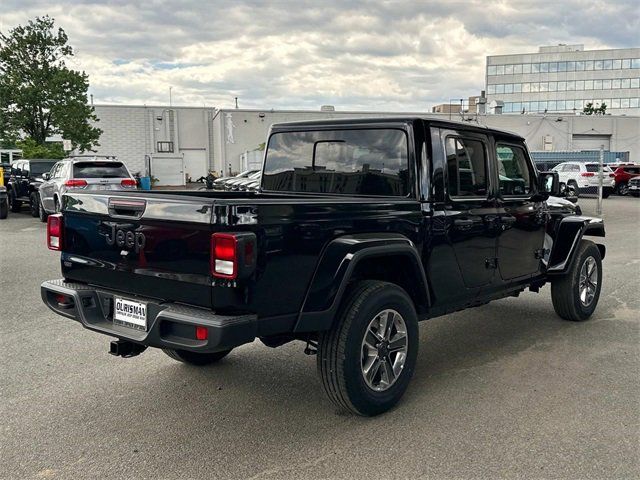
[
  {"x": 514, "y": 175},
  {"x": 594, "y": 167},
  {"x": 99, "y": 170},
  {"x": 349, "y": 162},
  {"x": 466, "y": 167}
]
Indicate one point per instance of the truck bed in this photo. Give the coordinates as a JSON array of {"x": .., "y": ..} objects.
[{"x": 173, "y": 265}]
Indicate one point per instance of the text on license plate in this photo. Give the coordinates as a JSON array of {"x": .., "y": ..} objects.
[{"x": 130, "y": 314}]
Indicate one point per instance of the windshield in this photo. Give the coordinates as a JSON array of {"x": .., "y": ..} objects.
[
  {"x": 100, "y": 170},
  {"x": 38, "y": 168},
  {"x": 351, "y": 162}
]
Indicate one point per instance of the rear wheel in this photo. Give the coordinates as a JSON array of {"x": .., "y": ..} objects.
[
  {"x": 575, "y": 295},
  {"x": 4, "y": 208},
  {"x": 367, "y": 358},
  {"x": 195, "y": 358},
  {"x": 34, "y": 204}
]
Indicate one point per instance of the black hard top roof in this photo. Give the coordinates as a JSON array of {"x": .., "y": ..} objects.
[{"x": 342, "y": 122}]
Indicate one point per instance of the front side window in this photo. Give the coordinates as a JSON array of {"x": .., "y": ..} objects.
[
  {"x": 466, "y": 167},
  {"x": 349, "y": 162},
  {"x": 514, "y": 176}
]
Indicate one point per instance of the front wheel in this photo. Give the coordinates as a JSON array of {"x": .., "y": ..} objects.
[
  {"x": 575, "y": 294},
  {"x": 42, "y": 213},
  {"x": 367, "y": 358},
  {"x": 34, "y": 204},
  {"x": 14, "y": 203},
  {"x": 195, "y": 358}
]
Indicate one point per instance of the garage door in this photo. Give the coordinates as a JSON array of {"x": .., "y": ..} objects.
[
  {"x": 591, "y": 142},
  {"x": 168, "y": 170},
  {"x": 195, "y": 163}
]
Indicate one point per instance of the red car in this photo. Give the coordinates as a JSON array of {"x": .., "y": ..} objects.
[{"x": 622, "y": 175}]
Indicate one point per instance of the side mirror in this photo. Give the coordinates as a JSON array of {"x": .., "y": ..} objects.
[
  {"x": 549, "y": 183},
  {"x": 46, "y": 176}
]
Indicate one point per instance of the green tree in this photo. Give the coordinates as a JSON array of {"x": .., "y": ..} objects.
[
  {"x": 31, "y": 149},
  {"x": 589, "y": 109},
  {"x": 39, "y": 95}
]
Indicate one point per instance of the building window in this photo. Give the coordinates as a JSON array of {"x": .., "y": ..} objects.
[
  {"x": 626, "y": 63},
  {"x": 588, "y": 65},
  {"x": 165, "y": 147},
  {"x": 635, "y": 63},
  {"x": 526, "y": 68},
  {"x": 617, "y": 64}
]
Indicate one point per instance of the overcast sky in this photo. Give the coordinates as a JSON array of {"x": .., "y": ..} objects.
[{"x": 375, "y": 55}]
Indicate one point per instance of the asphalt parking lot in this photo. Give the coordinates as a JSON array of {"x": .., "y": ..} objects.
[{"x": 507, "y": 390}]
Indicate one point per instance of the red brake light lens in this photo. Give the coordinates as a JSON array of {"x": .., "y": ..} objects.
[
  {"x": 224, "y": 258},
  {"x": 128, "y": 182},
  {"x": 587, "y": 174},
  {"x": 54, "y": 232},
  {"x": 75, "y": 183},
  {"x": 201, "y": 332}
]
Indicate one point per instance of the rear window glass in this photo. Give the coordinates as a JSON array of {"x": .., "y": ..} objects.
[
  {"x": 350, "y": 162},
  {"x": 99, "y": 170},
  {"x": 38, "y": 168}
]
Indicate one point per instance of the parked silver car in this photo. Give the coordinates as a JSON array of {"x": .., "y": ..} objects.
[{"x": 82, "y": 173}]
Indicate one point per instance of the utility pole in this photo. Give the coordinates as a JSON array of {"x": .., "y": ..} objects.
[
  {"x": 600, "y": 180},
  {"x": 170, "y": 100},
  {"x": 236, "y": 102}
]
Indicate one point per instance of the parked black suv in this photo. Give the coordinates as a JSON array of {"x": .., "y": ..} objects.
[
  {"x": 360, "y": 229},
  {"x": 25, "y": 177}
]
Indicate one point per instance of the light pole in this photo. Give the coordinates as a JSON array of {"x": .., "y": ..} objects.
[{"x": 170, "y": 101}]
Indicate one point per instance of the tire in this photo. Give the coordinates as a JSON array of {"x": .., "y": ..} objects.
[
  {"x": 567, "y": 291},
  {"x": 42, "y": 213},
  {"x": 34, "y": 204},
  {"x": 4, "y": 209},
  {"x": 14, "y": 203},
  {"x": 195, "y": 358},
  {"x": 571, "y": 184},
  {"x": 622, "y": 188},
  {"x": 56, "y": 205},
  {"x": 606, "y": 193},
  {"x": 343, "y": 352}
]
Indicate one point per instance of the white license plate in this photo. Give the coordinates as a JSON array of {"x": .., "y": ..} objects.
[
  {"x": 633, "y": 187},
  {"x": 130, "y": 314}
]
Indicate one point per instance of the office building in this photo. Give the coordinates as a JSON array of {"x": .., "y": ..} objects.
[{"x": 564, "y": 78}]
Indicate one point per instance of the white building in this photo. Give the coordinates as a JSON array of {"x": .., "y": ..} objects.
[
  {"x": 177, "y": 143},
  {"x": 564, "y": 78}
]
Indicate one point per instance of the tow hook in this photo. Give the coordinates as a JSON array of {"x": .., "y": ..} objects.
[{"x": 125, "y": 349}]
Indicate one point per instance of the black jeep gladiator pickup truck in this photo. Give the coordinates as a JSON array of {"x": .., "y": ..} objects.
[{"x": 360, "y": 229}]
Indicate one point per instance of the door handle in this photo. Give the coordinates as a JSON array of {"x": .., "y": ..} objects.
[{"x": 461, "y": 222}]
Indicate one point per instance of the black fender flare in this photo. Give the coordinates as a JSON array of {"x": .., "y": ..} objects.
[
  {"x": 336, "y": 266},
  {"x": 568, "y": 235}
]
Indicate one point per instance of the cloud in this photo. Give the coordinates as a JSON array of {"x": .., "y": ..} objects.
[{"x": 373, "y": 55}]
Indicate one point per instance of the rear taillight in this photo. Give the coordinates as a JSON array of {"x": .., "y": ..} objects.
[
  {"x": 233, "y": 255},
  {"x": 75, "y": 183},
  {"x": 54, "y": 231},
  {"x": 587, "y": 174},
  {"x": 224, "y": 253},
  {"x": 128, "y": 182}
]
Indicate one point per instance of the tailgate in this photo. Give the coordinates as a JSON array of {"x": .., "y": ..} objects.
[{"x": 154, "y": 246}]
